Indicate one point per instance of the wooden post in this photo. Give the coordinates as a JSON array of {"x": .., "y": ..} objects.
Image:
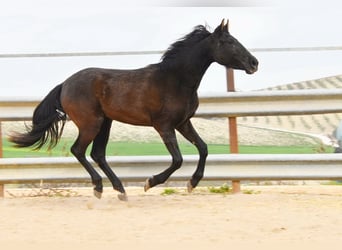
[
  {"x": 233, "y": 134},
  {"x": 2, "y": 190},
  {"x": 2, "y": 186},
  {"x": 0, "y": 142}
]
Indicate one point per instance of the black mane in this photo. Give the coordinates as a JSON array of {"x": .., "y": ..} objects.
[{"x": 198, "y": 34}]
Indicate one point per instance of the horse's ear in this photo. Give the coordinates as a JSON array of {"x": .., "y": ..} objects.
[{"x": 222, "y": 27}]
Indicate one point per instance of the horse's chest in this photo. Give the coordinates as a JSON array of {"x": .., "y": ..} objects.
[
  {"x": 186, "y": 107},
  {"x": 192, "y": 106}
]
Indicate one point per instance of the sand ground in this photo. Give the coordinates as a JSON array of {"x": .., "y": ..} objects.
[{"x": 272, "y": 217}]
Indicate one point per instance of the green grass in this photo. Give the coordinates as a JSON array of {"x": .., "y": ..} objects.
[
  {"x": 250, "y": 191},
  {"x": 224, "y": 189},
  {"x": 333, "y": 183},
  {"x": 157, "y": 148},
  {"x": 169, "y": 191}
]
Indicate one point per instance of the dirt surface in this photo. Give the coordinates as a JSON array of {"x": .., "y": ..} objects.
[{"x": 269, "y": 217}]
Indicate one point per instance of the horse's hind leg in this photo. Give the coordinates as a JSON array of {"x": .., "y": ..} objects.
[
  {"x": 85, "y": 137},
  {"x": 98, "y": 153}
]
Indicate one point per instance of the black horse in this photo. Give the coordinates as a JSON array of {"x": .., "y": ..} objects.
[{"x": 162, "y": 95}]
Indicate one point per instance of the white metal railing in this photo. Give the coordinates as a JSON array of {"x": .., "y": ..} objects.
[
  {"x": 276, "y": 102},
  {"x": 227, "y": 167},
  {"x": 155, "y": 52},
  {"x": 236, "y": 104},
  {"x": 218, "y": 167}
]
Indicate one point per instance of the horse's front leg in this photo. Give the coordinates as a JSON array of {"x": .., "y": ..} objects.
[
  {"x": 188, "y": 131},
  {"x": 170, "y": 141}
]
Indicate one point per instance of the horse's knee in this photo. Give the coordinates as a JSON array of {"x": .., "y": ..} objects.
[
  {"x": 76, "y": 152},
  {"x": 203, "y": 150},
  {"x": 177, "y": 161},
  {"x": 73, "y": 150}
]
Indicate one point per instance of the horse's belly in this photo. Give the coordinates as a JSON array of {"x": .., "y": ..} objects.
[{"x": 129, "y": 115}]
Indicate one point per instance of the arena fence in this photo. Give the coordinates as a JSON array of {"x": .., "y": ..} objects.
[
  {"x": 233, "y": 167},
  {"x": 228, "y": 167}
]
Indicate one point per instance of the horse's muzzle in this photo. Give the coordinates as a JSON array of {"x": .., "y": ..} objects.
[{"x": 252, "y": 65}]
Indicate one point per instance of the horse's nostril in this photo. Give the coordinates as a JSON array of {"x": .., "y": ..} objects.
[{"x": 254, "y": 62}]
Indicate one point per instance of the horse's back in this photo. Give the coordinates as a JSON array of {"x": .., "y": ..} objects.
[{"x": 125, "y": 95}]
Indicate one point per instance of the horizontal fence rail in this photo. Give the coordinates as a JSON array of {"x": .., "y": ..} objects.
[
  {"x": 139, "y": 168},
  {"x": 232, "y": 104},
  {"x": 155, "y": 52},
  {"x": 267, "y": 103}
]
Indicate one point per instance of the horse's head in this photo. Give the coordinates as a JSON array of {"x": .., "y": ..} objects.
[{"x": 228, "y": 51}]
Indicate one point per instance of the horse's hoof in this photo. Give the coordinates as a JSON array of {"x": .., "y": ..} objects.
[
  {"x": 190, "y": 187},
  {"x": 147, "y": 185},
  {"x": 123, "y": 197},
  {"x": 97, "y": 194}
]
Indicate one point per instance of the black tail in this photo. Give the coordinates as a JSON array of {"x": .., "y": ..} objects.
[{"x": 46, "y": 125}]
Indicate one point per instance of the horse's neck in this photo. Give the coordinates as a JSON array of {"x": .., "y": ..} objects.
[
  {"x": 195, "y": 65},
  {"x": 191, "y": 67}
]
